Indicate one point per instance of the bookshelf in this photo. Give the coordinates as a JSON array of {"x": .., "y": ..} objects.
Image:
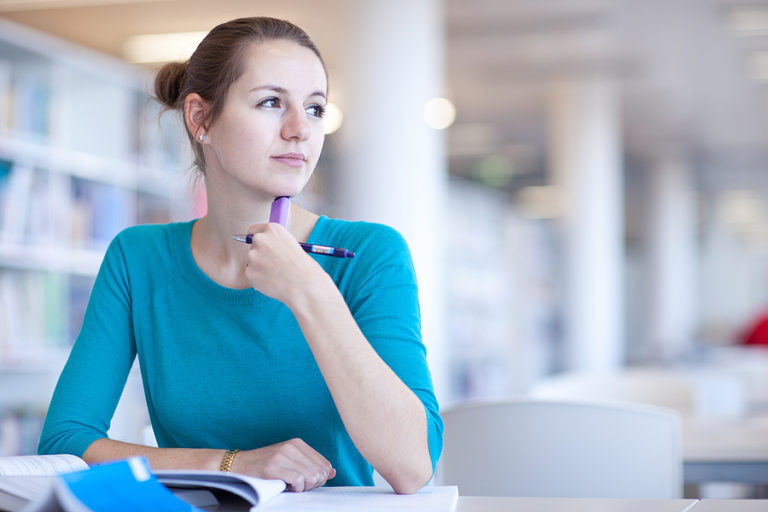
[{"x": 83, "y": 154}]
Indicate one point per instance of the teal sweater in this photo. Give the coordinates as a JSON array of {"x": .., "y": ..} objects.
[{"x": 226, "y": 368}]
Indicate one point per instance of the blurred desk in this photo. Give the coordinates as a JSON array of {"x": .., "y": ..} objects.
[
  {"x": 497, "y": 504},
  {"x": 726, "y": 450},
  {"x": 731, "y": 506}
]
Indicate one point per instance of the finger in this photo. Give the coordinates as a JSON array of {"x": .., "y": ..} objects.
[
  {"x": 295, "y": 482},
  {"x": 301, "y": 479},
  {"x": 295, "y": 457},
  {"x": 257, "y": 228},
  {"x": 296, "y": 476},
  {"x": 311, "y": 457}
]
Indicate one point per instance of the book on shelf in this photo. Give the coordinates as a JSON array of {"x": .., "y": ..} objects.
[
  {"x": 34, "y": 315},
  {"x": 6, "y": 92},
  {"x": 17, "y": 198},
  {"x": 65, "y": 483},
  {"x": 30, "y": 101}
]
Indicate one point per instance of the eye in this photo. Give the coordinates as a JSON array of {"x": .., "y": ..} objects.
[
  {"x": 269, "y": 103},
  {"x": 316, "y": 110}
]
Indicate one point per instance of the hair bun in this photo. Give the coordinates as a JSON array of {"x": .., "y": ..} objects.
[{"x": 169, "y": 82}]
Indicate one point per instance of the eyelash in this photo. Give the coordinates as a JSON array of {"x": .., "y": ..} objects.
[{"x": 319, "y": 110}]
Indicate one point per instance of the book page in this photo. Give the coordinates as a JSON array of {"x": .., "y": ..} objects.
[
  {"x": 254, "y": 490},
  {"x": 28, "y": 488},
  {"x": 11, "y": 503},
  {"x": 40, "y": 464}
]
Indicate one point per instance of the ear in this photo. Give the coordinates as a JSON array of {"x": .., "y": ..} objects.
[{"x": 195, "y": 112}]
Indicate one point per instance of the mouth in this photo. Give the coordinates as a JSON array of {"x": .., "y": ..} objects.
[{"x": 291, "y": 159}]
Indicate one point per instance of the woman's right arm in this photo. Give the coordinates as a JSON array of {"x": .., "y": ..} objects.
[
  {"x": 93, "y": 379},
  {"x": 293, "y": 461}
]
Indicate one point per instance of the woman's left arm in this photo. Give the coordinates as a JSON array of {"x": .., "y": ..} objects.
[{"x": 384, "y": 417}]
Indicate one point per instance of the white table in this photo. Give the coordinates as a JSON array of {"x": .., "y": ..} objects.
[
  {"x": 731, "y": 506},
  {"x": 497, "y": 504},
  {"x": 726, "y": 450}
]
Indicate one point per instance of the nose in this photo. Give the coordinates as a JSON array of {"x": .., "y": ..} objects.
[{"x": 295, "y": 124}]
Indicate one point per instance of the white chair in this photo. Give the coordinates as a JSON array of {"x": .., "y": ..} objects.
[
  {"x": 653, "y": 386},
  {"x": 562, "y": 449}
]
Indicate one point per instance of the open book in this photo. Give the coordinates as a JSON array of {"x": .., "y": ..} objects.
[{"x": 36, "y": 483}]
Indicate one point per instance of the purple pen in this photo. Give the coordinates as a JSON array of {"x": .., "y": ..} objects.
[
  {"x": 310, "y": 248},
  {"x": 279, "y": 214}
]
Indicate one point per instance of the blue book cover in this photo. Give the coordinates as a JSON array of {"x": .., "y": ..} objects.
[{"x": 121, "y": 486}]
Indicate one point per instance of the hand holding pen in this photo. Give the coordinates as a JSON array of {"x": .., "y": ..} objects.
[
  {"x": 279, "y": 214},
  {"x": 310, "y": 248}
]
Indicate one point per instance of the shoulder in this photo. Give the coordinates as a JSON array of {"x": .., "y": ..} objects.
[
  {"x": 150, "y": 237},
  {"x": 381, "y": 255},
  {"x": 144, "y": 256},
  {"x": 151, "y": 232},
  {"x": 359, "y": 235},
  {"x": 155, "y": 243}
]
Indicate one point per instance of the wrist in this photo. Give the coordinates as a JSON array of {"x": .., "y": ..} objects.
[
  {"x": 227, "y": 459},
  {"x": 319, "y": 289}
]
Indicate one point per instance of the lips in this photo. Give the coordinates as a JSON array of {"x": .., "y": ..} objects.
[
  {"x": 291, "y": 159},
  {"x": 291, "y": 156}
]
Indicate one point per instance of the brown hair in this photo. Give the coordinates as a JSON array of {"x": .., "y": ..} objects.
[{"x": 217, "y": 63}]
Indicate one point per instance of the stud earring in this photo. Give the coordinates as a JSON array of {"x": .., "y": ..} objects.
[{"x": 202, "y": 137}]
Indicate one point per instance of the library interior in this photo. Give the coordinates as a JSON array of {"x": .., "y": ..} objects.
[{"x": 583, "y": 186}]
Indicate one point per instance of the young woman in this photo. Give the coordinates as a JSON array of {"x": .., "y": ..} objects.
[{"x": 260, "y": 359}]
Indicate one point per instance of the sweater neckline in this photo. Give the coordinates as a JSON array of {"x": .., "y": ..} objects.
[{"x": 193, "y": 273}]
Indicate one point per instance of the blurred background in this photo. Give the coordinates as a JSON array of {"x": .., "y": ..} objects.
[{"x": 582, "y": 182}]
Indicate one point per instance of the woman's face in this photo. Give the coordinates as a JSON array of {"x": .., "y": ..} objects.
[{"x": 269, "y": 134}]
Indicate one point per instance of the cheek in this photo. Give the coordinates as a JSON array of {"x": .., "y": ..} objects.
[
  {"x": 317, "y": 148},
  {"x": 244, "y": 138},
  {"x": 317, "y": 143}
]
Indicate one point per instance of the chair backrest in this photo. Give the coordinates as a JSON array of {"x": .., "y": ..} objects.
[
  {"x": 562, "y": 449},
  {"x": 651, "y": 386}
]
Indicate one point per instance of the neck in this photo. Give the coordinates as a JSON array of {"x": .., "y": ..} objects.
[
  {"x": 231, "y": 214},
  {"x": 224, "y": 220}
]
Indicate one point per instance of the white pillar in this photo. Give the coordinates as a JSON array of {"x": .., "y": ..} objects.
[
  {"x": 393, "y": 166},
  {"x": 586, "y": 165},
  {"x": 671, "y": 257}
]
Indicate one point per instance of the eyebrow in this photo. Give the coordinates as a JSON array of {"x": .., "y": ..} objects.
[{"x": 283, "y": 90}]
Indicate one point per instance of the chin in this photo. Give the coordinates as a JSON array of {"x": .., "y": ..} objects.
[{"x": 289, "y": 190}]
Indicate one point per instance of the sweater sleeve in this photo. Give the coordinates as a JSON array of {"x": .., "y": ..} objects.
[
  {"x": 93, "y": 378},
  {"x": 385, "y": 306}
]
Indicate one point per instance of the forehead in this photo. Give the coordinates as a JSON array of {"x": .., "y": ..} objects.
[{"x": 282, "y": 63}]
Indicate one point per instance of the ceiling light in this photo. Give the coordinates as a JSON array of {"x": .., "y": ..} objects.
[
  {"x": 748, "y": 20},
  {"x": 177, "y": 46},
  {"x": 333, "y": 118},
  {"x": 439, "y": 113},
  {"x": 27, "y": 5},
  {"x": 743, "y": 208}
]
